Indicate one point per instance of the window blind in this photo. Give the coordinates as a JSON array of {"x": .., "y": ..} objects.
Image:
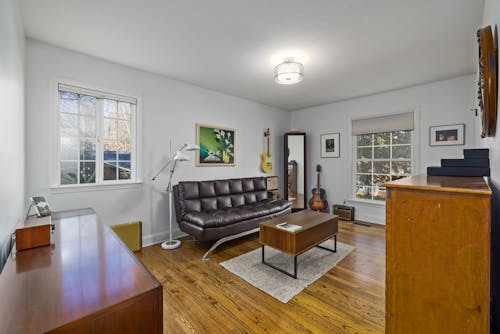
[
  {"x": 403, "y": 121},
  {"x": 96, "y": 93}
]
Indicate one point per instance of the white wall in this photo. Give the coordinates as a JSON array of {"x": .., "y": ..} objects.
[
  {"x": 171, "y": 110},
  {"x": 12, "y": 198},
  {"x": 443, "y": 102},
  {"x": 491, "y": 16},
  {"x": 296, "y": 146}
]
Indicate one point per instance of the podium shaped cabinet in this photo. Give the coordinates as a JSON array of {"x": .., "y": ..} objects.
[{"x": 438, "y": 255}]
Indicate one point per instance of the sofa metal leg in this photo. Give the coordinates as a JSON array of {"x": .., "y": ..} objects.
[{"x": 228, "y": 238}]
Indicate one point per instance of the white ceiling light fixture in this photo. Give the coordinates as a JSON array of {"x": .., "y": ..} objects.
[{"x": 289, "y": 72}]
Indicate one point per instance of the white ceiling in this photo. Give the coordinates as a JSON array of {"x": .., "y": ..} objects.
[{"x": 349, "y": 48}]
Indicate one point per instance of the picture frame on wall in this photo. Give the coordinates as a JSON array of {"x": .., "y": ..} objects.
[
  {"x": 217, "y": 145},
  {"x": 447, "y": 135},
  {"x": 330, "y": 145}
]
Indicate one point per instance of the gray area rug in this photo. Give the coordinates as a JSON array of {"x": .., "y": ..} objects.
[{"x": 311, "y": 265}]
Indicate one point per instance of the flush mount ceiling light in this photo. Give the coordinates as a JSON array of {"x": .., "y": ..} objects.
[{"x": 289, "y": 72}]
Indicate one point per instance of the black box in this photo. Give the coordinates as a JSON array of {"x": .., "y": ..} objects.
[
  {"x": 458, "y": 171},
  {"x": 477, "y": 153},
  {"x": 485, "y": 163}
]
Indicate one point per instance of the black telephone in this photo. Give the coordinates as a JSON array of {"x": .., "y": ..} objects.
[{"x": 41, "y": 206}]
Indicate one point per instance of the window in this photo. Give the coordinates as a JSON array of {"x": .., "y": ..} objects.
[
  {"x": 381, "y": 157},
  {"x": 97, "y": 137}
]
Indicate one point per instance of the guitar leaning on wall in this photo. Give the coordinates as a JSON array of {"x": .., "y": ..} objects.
[
  {"x": 267, "y": 166},
  {"x": 318, "y": 201}
]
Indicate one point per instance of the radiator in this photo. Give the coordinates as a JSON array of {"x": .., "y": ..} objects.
[
  {"x": 130, "y": 234},
  {"x": 344, "y": 212}
]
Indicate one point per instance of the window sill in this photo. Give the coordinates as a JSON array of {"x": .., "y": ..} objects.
[
  {"x": 94, "y": 187},
  {"x": 366, "y": 201}
]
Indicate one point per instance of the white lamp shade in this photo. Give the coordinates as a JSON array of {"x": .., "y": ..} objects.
[
  {"x": 289, "y": 72},
  {"x": 179, "y": 156},
  {"x": 192, "y": 147}
]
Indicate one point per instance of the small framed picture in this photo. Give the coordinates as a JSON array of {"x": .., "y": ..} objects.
[
  {"x": 330, "y": 145},
  {"x": 41, "y": 206},
  {"x": 447, "y": 135}
]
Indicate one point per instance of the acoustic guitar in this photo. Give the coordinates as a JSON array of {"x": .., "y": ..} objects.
[
  {"x": 318, "y": 201},
  {"x": 267, "y": 166}
]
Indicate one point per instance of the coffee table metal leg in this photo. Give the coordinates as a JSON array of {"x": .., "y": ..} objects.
[
  {"x": 334, "y": 250},
  {"x": 295, "y": 267},
  {"x": 294, "y": 275},
  {"x": 263, "y": 254}
]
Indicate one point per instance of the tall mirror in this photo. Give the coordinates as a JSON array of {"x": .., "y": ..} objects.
[{"x": 295, "y": 169}]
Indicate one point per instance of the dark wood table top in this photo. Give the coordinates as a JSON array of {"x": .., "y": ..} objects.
[
  {"x": 86, "y": 270},
  {"x": 308, "y": 219}
]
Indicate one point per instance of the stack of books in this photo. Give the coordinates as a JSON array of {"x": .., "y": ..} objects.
[
  {"x": 289, "y": 227},
  {"x": 476, "y": 162}
]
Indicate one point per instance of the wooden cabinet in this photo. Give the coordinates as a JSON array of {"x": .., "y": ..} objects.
[
  {"x": 438, "y": 255},
  {"x": 86, "y": 281}
]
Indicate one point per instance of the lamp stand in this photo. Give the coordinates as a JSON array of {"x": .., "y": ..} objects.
[{"x": 170, "y": 244}]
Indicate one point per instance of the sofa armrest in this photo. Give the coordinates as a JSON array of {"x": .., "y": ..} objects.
[{"x": 178, "y": 215}]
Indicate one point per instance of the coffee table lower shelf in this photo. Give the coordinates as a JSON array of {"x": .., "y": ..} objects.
[{"x": 294, "y": 275}]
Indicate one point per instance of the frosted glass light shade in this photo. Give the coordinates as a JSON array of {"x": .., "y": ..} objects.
[
  {"x": 181, "y": 157},
  {"x": 192, "y": 147},
  {"x": 289, "y": 72}
]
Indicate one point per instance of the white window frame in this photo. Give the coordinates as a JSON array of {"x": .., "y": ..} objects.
[
  {"x": 54, "y": 150},
  {"x": 415, "y": 153},
  {"x": 373, "y": 160}
]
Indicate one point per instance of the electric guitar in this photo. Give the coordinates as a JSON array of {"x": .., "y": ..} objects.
[
  {"x": 267, "y": 166},
  {"x": 318, "y": 201}
]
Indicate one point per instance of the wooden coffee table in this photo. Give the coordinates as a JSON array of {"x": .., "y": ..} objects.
[{"x": 316, "y": 228}]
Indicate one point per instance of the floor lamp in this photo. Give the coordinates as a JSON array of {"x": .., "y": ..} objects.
[{"x": 179, "y": 156}]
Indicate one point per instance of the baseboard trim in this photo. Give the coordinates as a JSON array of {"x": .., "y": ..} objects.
[
  {"x": 370, "y": 219},
  {"x": 156, "y": 238}
]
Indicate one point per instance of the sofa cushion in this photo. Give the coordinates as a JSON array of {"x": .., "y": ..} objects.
[
  {"x": 254, "y": 210},
  {"x": 207, "y": 188},
  {"x": 261, "y": 195},
  {"x": 277, "y": 205},
  {"x": 268, "y": 207},
  {"x": 224, "y": 202},
  {"x": 230, "y": 215},
  {"x": 189, "y": 190},
  {"x": 236, "y": 186},
  {"x": 250, "y": 198},
  {"x": 209, "y": 203},
  {"x": 260, "y": 184},
  {"x": 248, "y": 185},
  {"x": 214, "y": 218},
  {"x": 192, "y": 205},
  {"x": 222, "y": 187},
  {"x": 237, "y": 200}
]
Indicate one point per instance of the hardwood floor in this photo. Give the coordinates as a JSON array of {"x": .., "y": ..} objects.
[
  {"x": 203, "y": 297},
  {"x": 297, "y": 201}
]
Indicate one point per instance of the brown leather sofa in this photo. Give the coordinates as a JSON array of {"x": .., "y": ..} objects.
[{"x": 223, "y": 210}]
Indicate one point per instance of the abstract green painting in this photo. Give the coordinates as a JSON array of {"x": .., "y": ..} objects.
[{"x": 216, "y": 146}]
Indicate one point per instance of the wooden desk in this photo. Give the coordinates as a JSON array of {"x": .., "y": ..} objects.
[{"x": 87, "y": 281}]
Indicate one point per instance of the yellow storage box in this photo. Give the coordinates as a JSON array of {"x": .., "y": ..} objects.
[{"x": 130, "y": 234}]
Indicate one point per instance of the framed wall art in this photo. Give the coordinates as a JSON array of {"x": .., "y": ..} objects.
[
  {"x": 447, "y": 135},
  {"x": 330, "y": 145},
  {"x": 217, "y": 145}
]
